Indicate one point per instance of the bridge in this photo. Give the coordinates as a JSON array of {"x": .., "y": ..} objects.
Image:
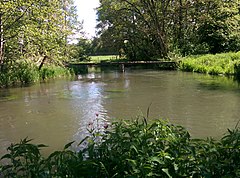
[{"x": 167, "y": 65}]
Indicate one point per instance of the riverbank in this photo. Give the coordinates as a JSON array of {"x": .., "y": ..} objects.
[
  {"x": 24, "y": 73},
  {"x": 130, "y": 149},
  {"x": 219, "y": 64}
]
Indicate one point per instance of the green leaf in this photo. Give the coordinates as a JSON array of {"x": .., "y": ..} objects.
[
  {"x": 83, "y": 140},
  {"x": 68, "y": 145},
  {"x": 133, "y": 147},
  {"x": 167, "y": 172},
  {"x": 55, "y": 153},
  {"x": 6, "y": 156},
  {"x": 156, "y": 159},
  {"x": 41, "y": 146}
]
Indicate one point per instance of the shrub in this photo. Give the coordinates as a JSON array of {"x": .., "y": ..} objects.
[
  {"x": 19, "y": 73},
  {"x": 49, "y": 72},
  {"x": 25, "y": 72}
]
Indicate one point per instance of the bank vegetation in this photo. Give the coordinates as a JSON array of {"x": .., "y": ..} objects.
[{"x": 227, "y": 64}]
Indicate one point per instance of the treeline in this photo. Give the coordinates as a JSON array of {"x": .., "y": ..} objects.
[
  {"x": 148, "y": 29},
  {"x": 40, "y": 31}
]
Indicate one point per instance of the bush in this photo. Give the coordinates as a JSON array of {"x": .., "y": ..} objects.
[
  {"x": 130, "y": 149},
  {"x": 24, "y": 73},
  {"x": 19, "y": 73},
  {"x": 50, "y": 72}
]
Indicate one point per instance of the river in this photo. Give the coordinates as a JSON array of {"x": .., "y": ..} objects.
[{"x": 57, "y": 112}]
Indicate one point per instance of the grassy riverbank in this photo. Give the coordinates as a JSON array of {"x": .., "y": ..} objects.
[
  {"x": 24, "y": 73},
  {"x": 130, "y": 149},
  {"x": 218, "y": 64}
]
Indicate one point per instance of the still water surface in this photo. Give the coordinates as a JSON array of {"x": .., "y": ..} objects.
[{"x": 58, "y": 112}]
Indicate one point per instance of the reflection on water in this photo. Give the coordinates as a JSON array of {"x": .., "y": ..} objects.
[{"x": 59, "y": 112}]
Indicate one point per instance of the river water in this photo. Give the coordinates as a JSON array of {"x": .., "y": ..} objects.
[{"x": 57, "y": 112}]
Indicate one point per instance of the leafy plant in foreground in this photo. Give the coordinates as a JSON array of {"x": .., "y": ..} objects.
[
  {"x": 130, "y": 149},
  {"x": 25, "y": 159}
]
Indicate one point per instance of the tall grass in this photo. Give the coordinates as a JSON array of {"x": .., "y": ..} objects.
[
  {"x": 225, "y": 64},
  {"x": 130, "y": 149},
  {"x": 19, "y": 73},
  {"x": 24, "y": 73},
  {"x": 51, "y": 72}
]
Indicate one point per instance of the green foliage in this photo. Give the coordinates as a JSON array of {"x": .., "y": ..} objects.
[
  {"x": 220, "y": 27},
  {"x": 104, "y": 46},
  {"x": 157, "y": 28},
  {"x": 237, "y": 69},
  {"x": 26, "y": 160},
  {"x": 51, "y": 72},
  {"x": 225, "y": 63},
  {"x": 82, "y": 50},
  {"x": 21, "y": 72},
  {"x": 26, "y": 72},
  {"x": 34, "y": 29},
  {"x": 130, "y": 149}
]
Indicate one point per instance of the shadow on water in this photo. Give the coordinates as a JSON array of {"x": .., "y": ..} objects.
[
  {"x": 237, "y": 79},
  {"x": 219, "y": 83},
  {"x": 6, "y": 95},
  {"x": 210, "y": 86}
]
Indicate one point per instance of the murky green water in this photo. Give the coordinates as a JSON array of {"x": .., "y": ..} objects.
[{"x": 57, "y": 112}]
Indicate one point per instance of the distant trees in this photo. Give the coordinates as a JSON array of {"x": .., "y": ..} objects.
[
  {"x": 36, "y": 29},
  {"x": 82, "y": 50},
  {"x": 147, "y": 29}
]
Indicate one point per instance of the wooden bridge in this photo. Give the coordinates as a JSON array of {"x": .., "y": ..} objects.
[{"x": 168, "y": 65}]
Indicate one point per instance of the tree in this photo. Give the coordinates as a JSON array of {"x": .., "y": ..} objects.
[
  {"x": 220, "y": 27},
  {"x": 157, "y": 27},
  {"x": 36, "y": 29},
  {"x": 143, "y": 23},
  {"x": 11, "y": 19},
  {"x": 82, "y": 49}
]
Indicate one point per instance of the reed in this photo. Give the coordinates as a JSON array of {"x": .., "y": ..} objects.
[
  {"x": 218, "y": 64},
  {"x": 23, "y": 73}
]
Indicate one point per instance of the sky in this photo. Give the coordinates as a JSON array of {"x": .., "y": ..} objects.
[{"x": 87, "y": 13}]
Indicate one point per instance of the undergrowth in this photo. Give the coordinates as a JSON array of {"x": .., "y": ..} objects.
[
  {"x": 130, "y": 149},
  {"x": 24, "y": 73},
  {"x": 225, "y": 63}
]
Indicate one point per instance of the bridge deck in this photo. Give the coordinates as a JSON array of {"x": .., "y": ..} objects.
[{"x": 123, "y": 63}]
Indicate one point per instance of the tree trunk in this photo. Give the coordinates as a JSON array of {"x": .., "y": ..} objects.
[
  {"x": 44, "y": 59},
  {"x": 1, "y": 42},
  {"x": 158, "y": 24},
  {"x": 180, "y": 23}
]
